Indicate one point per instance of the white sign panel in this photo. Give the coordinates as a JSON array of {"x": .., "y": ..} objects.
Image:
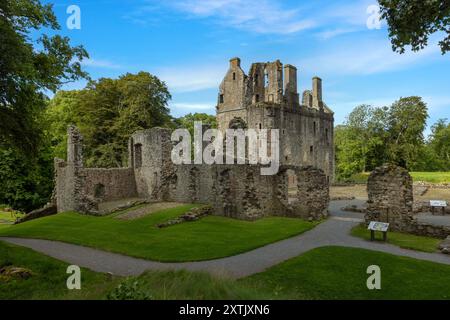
[
  {"x": 438, "y": 203},
  {"x": 378, "y": 226}
]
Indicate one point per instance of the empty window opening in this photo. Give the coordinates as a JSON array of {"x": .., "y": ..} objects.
[
  {"x": 311, "y": 149},
  {"x": 221, "y": 98},
  {"x": 234, "y": 75},
  {"x": 99, "y": 190},
  {"x": 260, "y": 126},
  {"x": 138, "y": 155},
  {"x": 266, "y": 78},
  {"x": 257, "y": 98}
]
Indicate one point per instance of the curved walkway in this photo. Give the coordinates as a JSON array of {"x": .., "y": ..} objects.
[{"x": 333, "y": 232}]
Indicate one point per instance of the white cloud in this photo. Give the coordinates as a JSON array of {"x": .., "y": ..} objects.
[
  {"x": 364, "y": 58},
  {"x": 104, "y": 64},
  {"x": 193, "y": 77},
  {"x": 331, "y": 33},
  {"x": 260, "y": 16}
]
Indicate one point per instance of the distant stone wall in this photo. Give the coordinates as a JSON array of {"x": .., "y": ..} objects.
[{"x": 109, "y": 184}]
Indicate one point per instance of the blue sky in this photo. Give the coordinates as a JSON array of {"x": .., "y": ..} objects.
[{"x": 188, "y": 44}]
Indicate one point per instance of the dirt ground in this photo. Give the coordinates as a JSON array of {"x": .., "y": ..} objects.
[
  {"x": 147, "y": 209},
  {"x": 359, "y": 191}
]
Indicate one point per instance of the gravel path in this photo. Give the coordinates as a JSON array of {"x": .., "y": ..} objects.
[{"x": 333, "y": 232}]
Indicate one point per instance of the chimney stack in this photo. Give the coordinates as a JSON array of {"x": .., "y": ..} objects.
[
  {"x": 290, "y": 79},
  {"x": 317, "y": 93},
  {"x": 235, "y": 62}
]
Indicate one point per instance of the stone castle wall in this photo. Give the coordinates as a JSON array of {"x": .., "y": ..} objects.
[
  {"x": 238, "y": 191},
  {"x": 267, "y": 98}
]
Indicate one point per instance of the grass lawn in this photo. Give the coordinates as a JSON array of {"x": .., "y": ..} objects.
[
  {"x": 403, "y": 240},
  {"x": 323, "y": 273},
  {"x": 431, "y": 177},
  {"x": 340, "y": 273},
  {"x": 49, "y": 278},
  {"x": 434, "y": 177},
  {"x": 209, "y": 238},
  {"x": 7, "y": 217}
]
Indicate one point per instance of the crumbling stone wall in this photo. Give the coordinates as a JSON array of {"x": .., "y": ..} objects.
[
  {"x": 77, "y": 188},
  {"x": 109, "y": 184},
  {"x": 236, "y": 191},
  {"x": 267, "y": 98},
  {"x": 390, "y": 191}
]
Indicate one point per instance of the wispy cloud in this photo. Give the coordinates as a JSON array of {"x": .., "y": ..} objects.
[
  {"x": 259, "y": 16},
  {"x": 364, "y": 58},
  {"x": 331, "y": 33},
  {"x": 105, "y": 64},
  {"x": 193, "y": 77}
]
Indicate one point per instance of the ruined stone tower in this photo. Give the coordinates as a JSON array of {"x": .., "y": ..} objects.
[{"x": 267, "y": 98}]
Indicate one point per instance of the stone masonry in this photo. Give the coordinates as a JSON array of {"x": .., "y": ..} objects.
[
  {"x": 390, "y": 191},
  {"x": 238, "y": 191},
  {"x": 267, "y": 98}
]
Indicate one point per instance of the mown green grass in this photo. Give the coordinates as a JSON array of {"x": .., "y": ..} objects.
[
  {"x": 431, "y": 177},
  {"x": 49, "y": 278},
  {"x": 403, "y": 240},
  {"x": 323, "y": 273},
  {"x": 9, "y": 217},
  {"x": 209, "y": 238},
  {"x": 341, "y": 273}
]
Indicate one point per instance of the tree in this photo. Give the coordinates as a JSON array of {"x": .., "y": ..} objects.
[
  {"x": 440, "y": 143},
  {"x": 107, "y": 112},
  {"x": 31, "y": 63},
  {"x": 187, "y": 121},
  {"x": 406, "y": 123},
  {"x": 411, "y": 22},
  {"x": 372, "y": 136}
]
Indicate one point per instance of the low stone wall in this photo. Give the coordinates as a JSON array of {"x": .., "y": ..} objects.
[
  {"x": 108, "y": 184},
  {"x": 427, "y": 230},
  {"x": 48, "y": 210}
]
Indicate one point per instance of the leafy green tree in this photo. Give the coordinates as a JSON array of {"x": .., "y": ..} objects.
[
  {"x": 107, "y": 112},
  {"x": 372, "y": 136},
  {"x": 406, "y": 123},
  {"x": 187, "y": 121},
  {"x": 411, "y": 22},
  {"x": 440, "y": 143},
  {"x": 31, "y": 63}
]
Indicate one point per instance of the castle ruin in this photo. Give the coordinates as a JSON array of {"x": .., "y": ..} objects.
[{"x": 258, "y": 101}]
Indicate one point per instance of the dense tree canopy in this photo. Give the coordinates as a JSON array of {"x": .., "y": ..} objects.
[
  {"x": 411, "y": 22},
  {"x": 107, "y": 112},
  {"x": 30, "y": 64},
  {"x": 372, "y": 136}
]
